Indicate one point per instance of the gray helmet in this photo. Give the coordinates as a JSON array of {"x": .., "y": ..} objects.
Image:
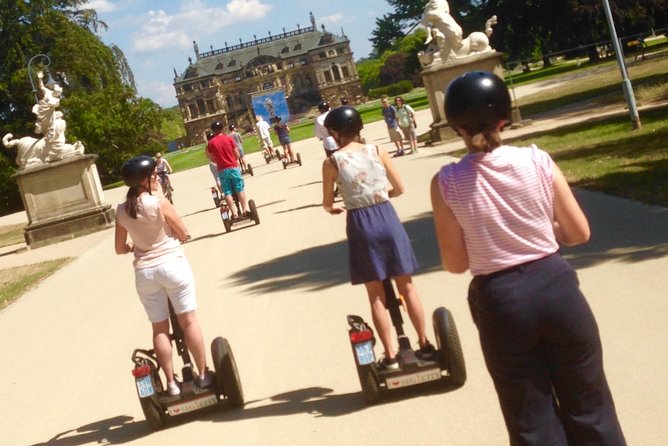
[
  {"x": 345, "y": 120},
  {"x": 136, "y": 169},
  {"x": 323, "y": 106},
  {"x": 216, "y": 126},
  {"x": 477, "y": 101}
]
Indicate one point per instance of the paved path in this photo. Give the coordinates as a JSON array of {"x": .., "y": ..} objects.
[{"x": 280, "y": 293}]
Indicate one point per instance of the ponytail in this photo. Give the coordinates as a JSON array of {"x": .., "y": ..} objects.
[
  {"x": 132, "y": 199},
  {"x": 486, "y": 141}
]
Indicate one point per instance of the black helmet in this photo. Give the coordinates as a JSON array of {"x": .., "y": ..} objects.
[
  {"x": 217, "y": 126},
  {"x": 136, "y": 169},
  {"x": 477, "y": 101},
  {"x": 232, "y": 127},
  {"x": 345, "y": 120},
  {"x": 208, "y": 134},
  {"x": 323, "y": 106}
]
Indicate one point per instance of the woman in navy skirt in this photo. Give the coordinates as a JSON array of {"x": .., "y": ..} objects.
[
  {"x": 501, "y": 212},
  {"x": 378, "y": 244}
]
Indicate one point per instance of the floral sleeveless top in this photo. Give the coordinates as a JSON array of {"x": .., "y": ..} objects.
[{"x": 362, "y": 177}]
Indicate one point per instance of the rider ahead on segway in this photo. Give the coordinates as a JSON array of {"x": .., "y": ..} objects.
[
  {"x": 378, "y": 245},
  {"x": 223, "y": 151},
  {"x": 162, "y": 273}
]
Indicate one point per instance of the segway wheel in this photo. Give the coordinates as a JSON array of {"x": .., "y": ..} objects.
[
  {"x": 299, "y": 159},
  {"x": 152, "y": 413},
  {"x": 449, "y": 347},
  {"x": 250, "y": 169},
  {"x": 227, "y": 375},
  {"x": 253, "y": 212},
  {"x": 216, "y": 201},
  {"x": 370, "y": 389},
  {"x": 267, "y": 158},
  {"x": 278, "y": 154},
  {"x": 228, "y": 224}
]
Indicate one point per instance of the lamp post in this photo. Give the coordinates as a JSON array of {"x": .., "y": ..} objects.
[
  {"x": 626, "y": 83},
  {"x": 32, "y": 83}
]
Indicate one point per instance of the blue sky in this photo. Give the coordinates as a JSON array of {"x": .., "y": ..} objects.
[{"x": 157, "y": 36}]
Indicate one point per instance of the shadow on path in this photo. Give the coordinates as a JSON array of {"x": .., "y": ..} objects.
[
  {"x": 622, "y": 230},
  {"x": 116, "y": 430}
]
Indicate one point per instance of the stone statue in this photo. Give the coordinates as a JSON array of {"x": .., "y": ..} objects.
[
  {"x": 444, "y": 36},
  {"x": 50, "y": 123}
]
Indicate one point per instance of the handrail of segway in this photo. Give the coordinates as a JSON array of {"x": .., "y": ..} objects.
[{"x": 139, "y": 356}]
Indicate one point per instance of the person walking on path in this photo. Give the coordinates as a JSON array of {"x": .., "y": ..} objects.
[
  {"x": 162, "y": 272},
  {"x": 223, "y": 151},
  {"x": 406, "y": 121},
  {"x": 321, "y": 132},
  {"x": 501, "y": 212},
  {"x": 378, "y": 246},
  {"x": 390, "y": 116}
]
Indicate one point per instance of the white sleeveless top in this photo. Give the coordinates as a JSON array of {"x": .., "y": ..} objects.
[
  {"x": 152, "y": 238},
  {"x": 362, "y": 177},
  {"x": 504, "y": 203}
]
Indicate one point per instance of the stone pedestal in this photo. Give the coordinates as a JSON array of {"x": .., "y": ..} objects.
[
  {"x": 63, "y": 200},
  {"x": 436, "y": 79}
]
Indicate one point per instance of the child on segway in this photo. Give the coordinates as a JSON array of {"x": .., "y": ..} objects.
[
  {"x": 162, "y": 273},
  {"x": 378, "y": 245},
  {"x": 223, "y": 151}
]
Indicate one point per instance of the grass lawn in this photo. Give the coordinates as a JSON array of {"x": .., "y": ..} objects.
[
  {"x": 607, "y": 156},
  {"x": 16, "y": 281}
]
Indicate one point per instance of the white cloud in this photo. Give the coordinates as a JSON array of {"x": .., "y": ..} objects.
[
  {"x": 332, "y": 18},
  {"x": 162, "y": 30},
  {"x": 101, "y": 6},
  {"x": 161, "y": 93}
]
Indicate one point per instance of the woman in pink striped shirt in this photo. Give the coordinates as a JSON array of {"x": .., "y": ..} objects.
[{"x": 502, "y": 212}]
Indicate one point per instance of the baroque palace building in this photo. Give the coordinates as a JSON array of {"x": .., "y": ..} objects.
[{"x": 306, "y": 64}]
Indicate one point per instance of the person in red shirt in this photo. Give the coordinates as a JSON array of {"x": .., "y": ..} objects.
[{"x": 223, "y": 151}]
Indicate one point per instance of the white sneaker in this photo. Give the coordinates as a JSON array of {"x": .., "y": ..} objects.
[{"x": 173, "y": 389}]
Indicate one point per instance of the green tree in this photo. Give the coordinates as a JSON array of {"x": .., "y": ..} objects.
[
  {"x": 368, "y": 71},
  {"x": 100, "y": 106}
]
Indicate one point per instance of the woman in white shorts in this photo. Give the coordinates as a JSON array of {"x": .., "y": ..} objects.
[{"x": 162, "y": 272}]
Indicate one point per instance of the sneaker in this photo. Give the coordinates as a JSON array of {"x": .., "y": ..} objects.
[
  {"x": 173, "y": 389},
  {"x": 171, "y": 189},
  {"x": 398, "y": 153},
  {"x": 388, "y": 364},
  {"x": 207, "y": 380},
  {"x": 427, "y": 351}
]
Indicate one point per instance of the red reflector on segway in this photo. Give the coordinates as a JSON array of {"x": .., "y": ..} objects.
[
  {"x": 140, "y": 371},
  {"x": 360, "y": 336}
]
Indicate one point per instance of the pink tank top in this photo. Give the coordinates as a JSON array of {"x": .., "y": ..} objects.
[
  {"x": 151, "y": 236},
  {"x": 504, "y": 203}
]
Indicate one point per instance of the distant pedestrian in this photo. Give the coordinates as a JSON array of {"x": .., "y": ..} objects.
[
  {"x": 501, "y": 212},
  {"x": 407, "y": 123},
  {"x": 390, "y": 116}
]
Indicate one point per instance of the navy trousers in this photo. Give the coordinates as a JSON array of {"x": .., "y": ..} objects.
[{"x": 542, "y": 348}]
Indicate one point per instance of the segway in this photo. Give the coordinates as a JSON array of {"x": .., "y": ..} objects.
[
  {"x": 446, "y": 364},
  {"x": 159, "y": 407},
  {"x": 216, "y": 196},
  {"x": 270, "y": 155},
  {"x": 248, "y": 170},
  {"x": 297, "y": 160},
  {"x": 226, "y": 215}
]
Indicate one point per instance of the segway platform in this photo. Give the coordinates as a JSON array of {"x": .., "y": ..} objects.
[
  {"x": 159, "y": 407},
  {"x": 297, "y": 160},
  {"x": 446, "y": 363}
]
